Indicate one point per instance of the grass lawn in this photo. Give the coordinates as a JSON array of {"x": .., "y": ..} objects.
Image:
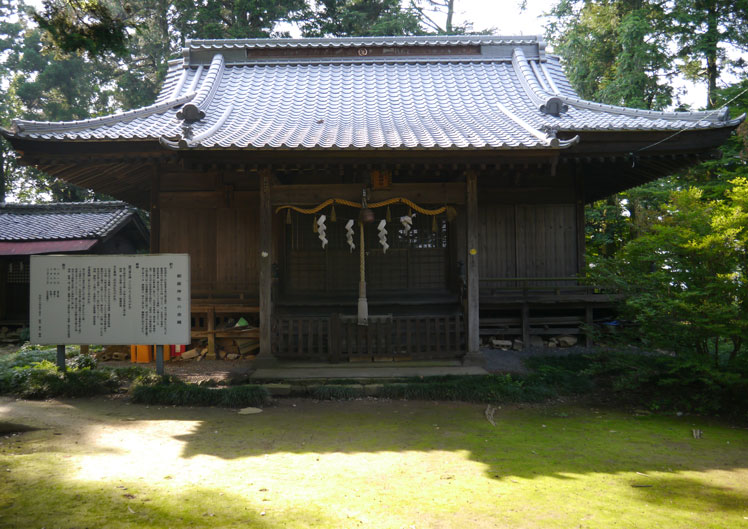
[{"x": 378, "y": 464}]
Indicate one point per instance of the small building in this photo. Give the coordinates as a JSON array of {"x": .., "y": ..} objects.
[
  {"x": 389, "y": 197},
  {"x": 59, "y": 228}
]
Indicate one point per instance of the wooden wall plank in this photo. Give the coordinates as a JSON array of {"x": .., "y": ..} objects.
[
  {"x": 192, "y": 232},
  {"x": 207, "y": 199},
  {"x": 237, "y": 245},
  {"x": 537, "y": 240}
]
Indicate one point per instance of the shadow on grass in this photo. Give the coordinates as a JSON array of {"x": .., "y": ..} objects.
[
  {"x": 66, "y": 503},
  {"x": 564, "y": 443},
  {"x": 692, "y": 494}
]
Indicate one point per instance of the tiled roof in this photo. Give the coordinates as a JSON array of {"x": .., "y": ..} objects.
[
  {"x": 59, "y": 221},
  {"x": 375, "y": 93}
]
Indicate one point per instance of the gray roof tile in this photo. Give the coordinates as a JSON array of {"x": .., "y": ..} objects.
[
  {"x": 59, "y": 221},
  {"x": 503, "y": 98}
]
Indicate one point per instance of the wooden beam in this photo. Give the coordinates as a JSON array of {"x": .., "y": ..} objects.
[
  {"x": 265, "y": 266},
  {"x": 205, "y": 199},
  {"x": 425, "y": 193},
  {"x": 473, "y": 294}
]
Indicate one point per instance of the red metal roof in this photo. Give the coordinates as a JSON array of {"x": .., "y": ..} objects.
[{"x": 37, "y": 247}]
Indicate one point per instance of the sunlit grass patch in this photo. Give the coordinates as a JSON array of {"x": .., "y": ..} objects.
[{"x": 383, "y": 464}]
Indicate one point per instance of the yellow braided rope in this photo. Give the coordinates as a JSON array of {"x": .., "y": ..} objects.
[{"x": 342, "y": 201}]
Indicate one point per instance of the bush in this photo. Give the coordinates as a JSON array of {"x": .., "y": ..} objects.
[
  {"x": 492, "y": 388},
  {"x": 81, "y": 361},
  {"x": 655, "y": 381},
  {"x": 336, "y": 392},
  {"x": 42, "y": 380},
  {"x": 172, "y": 392}
]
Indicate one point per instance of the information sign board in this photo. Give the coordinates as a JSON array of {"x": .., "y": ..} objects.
[{"x": 110, "y": 299}]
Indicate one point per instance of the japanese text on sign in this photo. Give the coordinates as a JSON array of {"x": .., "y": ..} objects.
[{"x": 110, "y": 299}]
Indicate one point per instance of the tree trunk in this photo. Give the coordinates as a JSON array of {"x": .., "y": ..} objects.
[
  {"x": 736, "y": 343},
  {"x": 3, "y": 179},
  {"x": 450, "y": 15},
  {"x": 710, "y": 50},
  {"x": 716, "y": 351}
]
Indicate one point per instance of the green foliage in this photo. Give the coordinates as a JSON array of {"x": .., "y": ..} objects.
[
  {"x": 685, "y": 279},
  {"x": 171, "y": 392},
  {"x": 82, "y": 361},
  {"x": 339, "y": 18},
  {"x": 614, "y": 51},
  {"x": 336, "y": 392},
  {"x": 652, "y": 381},
  {"x": 233, "y": 18},
  {"x": 32, "y": 373},
  {"x": 622, "y": 51},
  {"x": 489, "y": 389},
  {"x": 93, "y": 26},
  {"x": 42, "y": 380},
  {"x": 702, "y": 31}
]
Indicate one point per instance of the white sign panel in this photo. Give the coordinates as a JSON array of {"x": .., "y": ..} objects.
[{"x": 110, "y": 299}]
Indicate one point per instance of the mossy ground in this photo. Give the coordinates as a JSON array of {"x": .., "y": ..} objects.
[{"x": 379, "y": 464}]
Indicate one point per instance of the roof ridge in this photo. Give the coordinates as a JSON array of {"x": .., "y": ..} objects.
[
  {"x": 546, "y": 103},
  {"x": 22, "y": 125},
  {"x": 337, "y": 42},
  {"x": 105, "y": 205},
  {"x": 549, "y": 102},
  {"x": 720, "y": 115},
  {"x": 209, "y": 86}
]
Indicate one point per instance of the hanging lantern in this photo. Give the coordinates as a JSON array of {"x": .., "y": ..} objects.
[
  {"x": 388, "y": 216},
  {"x": 288, "y": 216},
  {"x": 333, "y": 217},
  {"x": 433, "y": 224}
]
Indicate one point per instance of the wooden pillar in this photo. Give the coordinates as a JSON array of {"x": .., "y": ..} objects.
[
  {"x": 266, "y": 262},
  {"x": 471, "y": 265},
  {"x": 3, "y": 288},
  {"x": 155, "y": 211},
  {"x": 579, "y": 204},
  {"x": 211, "y": 322},
  {"x": 525, "y": 325}
]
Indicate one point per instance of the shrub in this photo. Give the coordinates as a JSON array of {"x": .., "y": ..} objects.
[
  {"x": 336, "y": 392},
  {"x": 492, "y": 388},
  {"x": 42, "y": 380},
  {"x": 655, "y": 381},
  {"x": 176, "y": 393},
  {"x": 81, "y": 361}
]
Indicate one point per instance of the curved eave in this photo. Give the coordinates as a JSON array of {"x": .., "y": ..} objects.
[{"x": 176, "y": 146}]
